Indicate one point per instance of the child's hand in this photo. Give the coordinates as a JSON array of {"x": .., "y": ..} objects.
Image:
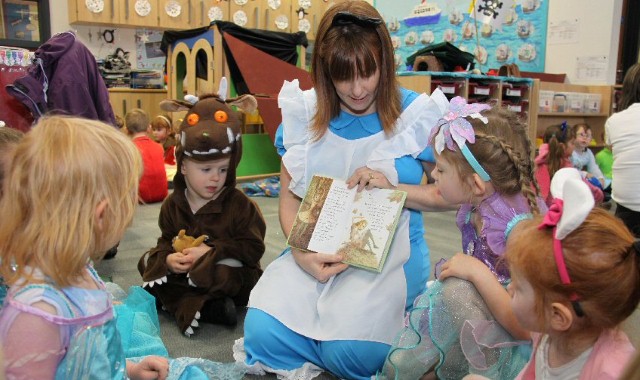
[
  {"x": 319, "y": 265},
  {"x": 150, "y": 368},
  {"x": 196, "y": 252},
  {"x": 461, "y": 266},
  {"x": 178, "y": 262}
]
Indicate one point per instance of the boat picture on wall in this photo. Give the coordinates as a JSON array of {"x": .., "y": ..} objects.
[{"x": 423, "y": 14}]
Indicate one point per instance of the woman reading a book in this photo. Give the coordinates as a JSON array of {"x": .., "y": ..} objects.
[{"x": 309, "y": 312}]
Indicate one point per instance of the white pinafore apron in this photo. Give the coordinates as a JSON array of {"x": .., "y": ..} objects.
[{"x": 356, "y": 304}]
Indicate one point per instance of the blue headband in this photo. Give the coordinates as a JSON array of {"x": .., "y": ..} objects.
[{"x": 454, "y": 129}]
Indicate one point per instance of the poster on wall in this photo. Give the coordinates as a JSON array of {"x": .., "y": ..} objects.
[
  {"x": 148, "y": 52},
  {"x": 502, "y": 31}
]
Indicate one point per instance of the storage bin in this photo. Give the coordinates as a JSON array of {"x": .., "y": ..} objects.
[
  {"x": 545, "y": 100},
  {"x": 575, "y": 102},
  {"x": 593, "y": 103},
  {"x": 559, "y": 103}
]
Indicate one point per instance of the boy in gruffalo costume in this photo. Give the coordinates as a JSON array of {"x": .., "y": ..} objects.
[{"x": 210, "y": 280}]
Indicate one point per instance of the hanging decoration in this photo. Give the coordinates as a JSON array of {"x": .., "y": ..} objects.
[
  {"x": 94, "y": 6},
  {"x": 142, "y": 7}
]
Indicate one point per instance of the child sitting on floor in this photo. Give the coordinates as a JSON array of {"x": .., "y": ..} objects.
[
  {"x": 575, "y": 278},
  {"x": 161, "y": 130},
  {"x": 553, "y": 155},
  {"x": 207, "y": 282},
  {"x": 462, "y": 324},
  {"x": 68, "y": 207},
  {"x": 153, "y": 184},
  {"x": 582, "y": 157}
]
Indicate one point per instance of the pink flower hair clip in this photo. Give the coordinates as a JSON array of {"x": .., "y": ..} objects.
[{"x": 454, "y": 129}]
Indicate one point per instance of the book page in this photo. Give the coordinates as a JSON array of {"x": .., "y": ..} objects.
[
  {"x": 332, "y": 227},
  {"x": 373, "y": 221}
]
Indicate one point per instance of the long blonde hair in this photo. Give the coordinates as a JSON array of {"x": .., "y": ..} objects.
[{"x": 62, "y": 170}]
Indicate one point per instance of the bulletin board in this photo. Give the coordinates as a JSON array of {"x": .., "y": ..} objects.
[
  {"x": 521, "y": 39},
  {"x": 149, "y": 56}
]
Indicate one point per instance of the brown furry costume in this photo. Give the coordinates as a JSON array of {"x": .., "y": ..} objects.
[{"x": 233, "y": 223}]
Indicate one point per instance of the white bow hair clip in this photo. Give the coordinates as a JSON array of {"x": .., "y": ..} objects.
[{"x": 568, "y": 186}]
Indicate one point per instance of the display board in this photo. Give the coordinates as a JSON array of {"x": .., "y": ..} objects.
[{"x": 520, "y": 38}]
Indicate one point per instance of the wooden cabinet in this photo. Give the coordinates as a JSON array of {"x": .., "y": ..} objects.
[
  {"x": 575, "y": 104},
  {"x": 246, "y": 13},
  {"x": 516, "y": 94},
  {"x": 124, "y": 100},
  {"x": 142, "y": 13},
  {"x": 207, "y": 11},
  {"x": 306, "y": 15},
  {"x": 130, "y": 13},
  {"x": 176, "y": 14},
  {"x": 106, "y": 12}
]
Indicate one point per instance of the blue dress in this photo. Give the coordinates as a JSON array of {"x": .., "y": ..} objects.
[
  {"x": 90, "y": 346},
  {"x": 297, "y": 327}
]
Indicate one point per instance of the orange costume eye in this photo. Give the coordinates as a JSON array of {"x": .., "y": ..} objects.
[
  {"x": 193, "y": 119},
  {"x": 221, "y": 116}
]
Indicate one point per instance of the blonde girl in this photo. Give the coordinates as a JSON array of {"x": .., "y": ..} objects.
[{"x": 71, "y": 192}]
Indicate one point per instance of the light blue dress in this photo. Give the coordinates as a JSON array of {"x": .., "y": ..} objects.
[
  {"x": 297, "y": 327},
  {"x": 90, "y": 346}
]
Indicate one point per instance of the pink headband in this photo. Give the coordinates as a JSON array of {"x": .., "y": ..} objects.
[
  {"x": 166, "y": 119},
  {"x": 571, "y": 205}
]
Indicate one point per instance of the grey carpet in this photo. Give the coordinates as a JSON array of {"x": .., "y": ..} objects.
[{"x": 212, "y": 341}]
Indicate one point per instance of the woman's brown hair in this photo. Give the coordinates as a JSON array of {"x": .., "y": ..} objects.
[
  {"x": 630, "y": 88},
  {"x": 347, "y": 51}
]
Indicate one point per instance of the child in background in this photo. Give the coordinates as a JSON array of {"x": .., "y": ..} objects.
[
  {"x": 553, "y": 155},
  {"x": 575, "y": 278},
  {"x": 463, "y": 324},
  {"x": 162, "y": 131},
  {"x": 206, "y": 283},
  {"x": 90, "y": 189},
  {"x": 582, "y": 157},
  {"x": 604, "y": 159},
  {"x": 153, "y": 184}
]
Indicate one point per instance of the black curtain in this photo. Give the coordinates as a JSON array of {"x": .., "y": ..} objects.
[{"x": 278, "y": 44}]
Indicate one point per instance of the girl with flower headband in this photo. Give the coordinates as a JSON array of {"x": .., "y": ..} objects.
[
  {"x": 463, "y": 324},
  {"x": 575, "y": 278},
  {"x": 553, "y": 155}
]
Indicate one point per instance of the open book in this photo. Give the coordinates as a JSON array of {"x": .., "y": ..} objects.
[{"x": 359, "y": 225}]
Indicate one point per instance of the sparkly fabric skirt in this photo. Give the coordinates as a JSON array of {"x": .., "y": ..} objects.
[{"x": 451, "y": 331}]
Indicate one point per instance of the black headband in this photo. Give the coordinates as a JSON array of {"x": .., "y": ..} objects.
[
  {"x": 636, "y": 246},
  {"x": 346, "y": 18}
]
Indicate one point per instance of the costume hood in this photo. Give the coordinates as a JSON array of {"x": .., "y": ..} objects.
[{"x": 210, "y": 130}]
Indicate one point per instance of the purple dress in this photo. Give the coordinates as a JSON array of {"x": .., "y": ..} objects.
[{"x": 450, "y": 326}]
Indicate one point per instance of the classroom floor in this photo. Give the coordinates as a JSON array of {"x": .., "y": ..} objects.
[{"x": 215, "y": 342}]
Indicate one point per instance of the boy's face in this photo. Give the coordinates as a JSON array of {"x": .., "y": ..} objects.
[{"x": 205, "y": 179}]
